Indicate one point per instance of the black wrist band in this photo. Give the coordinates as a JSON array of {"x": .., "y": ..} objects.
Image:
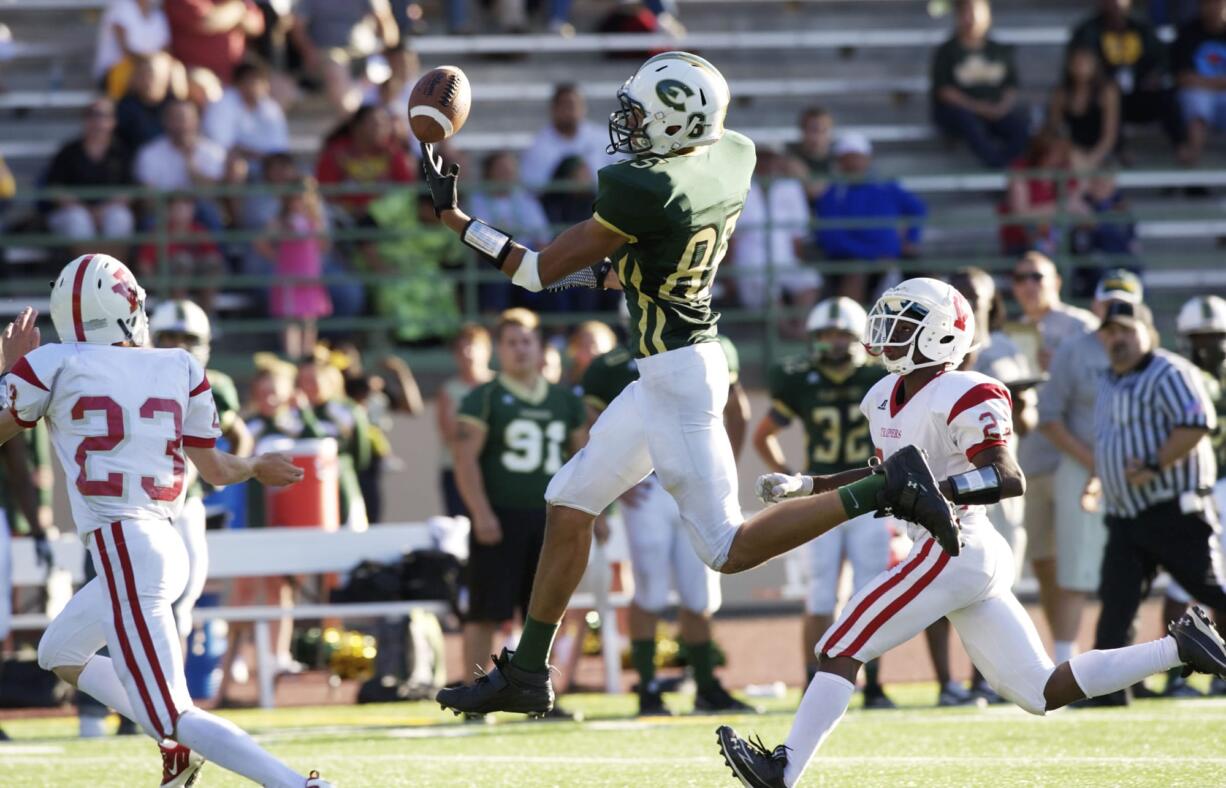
[
  {"x": 980, "y": 486},
  {"x": 489, "y": 241}
]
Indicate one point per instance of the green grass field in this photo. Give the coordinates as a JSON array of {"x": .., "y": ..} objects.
[{"x": 1165, "y": 743}]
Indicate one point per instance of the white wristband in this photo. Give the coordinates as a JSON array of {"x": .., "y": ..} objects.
[{"x": 527, "y": 275}]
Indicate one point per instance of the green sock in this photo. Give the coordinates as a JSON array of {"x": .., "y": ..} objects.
[
  {"x": 861, "y": 497},
  {"x": 643, "y": 657},
  {"x": 872, "y": 671},
  {"x": 702, "y": 660},
  {"x": 535, "y": 642}
]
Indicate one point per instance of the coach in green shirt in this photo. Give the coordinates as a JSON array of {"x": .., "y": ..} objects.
[{"x": 513, "y": 434}]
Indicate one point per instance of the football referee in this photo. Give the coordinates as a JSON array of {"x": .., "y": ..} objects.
[{"x": 1152, "y": 452}]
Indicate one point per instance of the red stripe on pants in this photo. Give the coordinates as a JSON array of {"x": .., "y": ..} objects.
[
  {"x": 902, "y": 600},
  {"x": 124, "y": 646},
  {"x": 142, "y": 629},
  {"x": 904, "y": 569}
]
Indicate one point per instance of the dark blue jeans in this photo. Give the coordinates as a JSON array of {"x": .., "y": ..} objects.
[{"x": 994, "y": 142}]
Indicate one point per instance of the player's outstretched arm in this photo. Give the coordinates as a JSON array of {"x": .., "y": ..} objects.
[
  {"x": 220, "y": 468},
  {"x": 585, "y": 245}
]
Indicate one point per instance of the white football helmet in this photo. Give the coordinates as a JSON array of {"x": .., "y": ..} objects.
[
  {"x": 182, "y": 316},
  {"x": 96, "y": 299},
  {"x": 675, "y": 100},
  {"x": 943, "y": 325},
  {"x": 1202, "y": 315},
  {"x": 839, "y": 312}
]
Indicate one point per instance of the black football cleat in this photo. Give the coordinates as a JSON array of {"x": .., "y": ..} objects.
[
  {"x": 875, "y": 699},
  {"x": 505, "y": 688},
  {"x": 911, "y": 493},
  {"x": 716, "y": 698},
  {"x": 750, "y": 761},
  {"x": 1200, "y": 646},
  {"x": 651, "y": 701}
]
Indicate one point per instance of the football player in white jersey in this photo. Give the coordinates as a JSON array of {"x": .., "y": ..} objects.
[
  {"x": 122, "y": 418},
  {"x": 923, "y": 328}
]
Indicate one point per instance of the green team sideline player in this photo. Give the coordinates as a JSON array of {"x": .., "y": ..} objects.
[
  {"x": 660, "y": 551},
  {"x": 664, "y": 217},
  {"x": 512, "y": 435}
]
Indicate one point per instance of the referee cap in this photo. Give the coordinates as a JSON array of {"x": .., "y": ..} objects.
[
  {"x": 1127, "y": 314},
  {"x": 1119, "y": 284}
]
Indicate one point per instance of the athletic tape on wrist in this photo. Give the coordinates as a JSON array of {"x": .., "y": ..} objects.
[
  {"x": 528, "y": 275},
  {"x": 489, "y": 241},
  {"x": 978, "y": 486}
]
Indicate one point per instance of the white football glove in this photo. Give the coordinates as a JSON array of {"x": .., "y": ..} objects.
[{"x": 775, "y": 487}]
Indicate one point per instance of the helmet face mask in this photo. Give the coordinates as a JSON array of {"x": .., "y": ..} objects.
[
  {"x": 1202, "y": 330},
  {"x": 181, "y": 323},
  {"x": 626, "y": 134}
]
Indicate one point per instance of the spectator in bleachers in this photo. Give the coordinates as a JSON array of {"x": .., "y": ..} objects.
[
  {"x": 1066, "y": 419},
  {"x": 1137, "y": 60},
  {"x": 297, "y": 297},
  {"x": 1036, "y": 287},
  {"x": 1085, "y": 107},
  {"x": 128, "y": 29},
  {"x": 138, "y": 115},
  {"x": 362, "y": 150},
  {"x": 181, "y": 157},
  {"x": 195, "y": 265},
  {"x": 773, "y": 231},
  {"x": 212, "y": 34},
  {"x": 333, "y": 34},
  {"x": 8, "y": 186},
  {"x": 568, "y": 133},
  {"x": 471, "y": 350},
  {"x": 812, "y": 150},
  {"x": 511, "y": 206},
  {"x": 1107, "y": 229},
  {"x": 570, "y": 201},
  {"x": 246, "y": 121},
  {"x": 1199, "y": 62},
  {"x": 417, "y": 295},
  {"x": 393, "y": 93},
  {"x": 859, "y": 195},
  {"x": 96, "y": 158},
  {"x": 974, "y": 88},
  {"x": 337, "y": 416},
  {"x": 1034, "y": 196}
]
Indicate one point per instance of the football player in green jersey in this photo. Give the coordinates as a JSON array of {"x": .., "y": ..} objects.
[
  {"x": 660, "y": 551},
  {"x": 183, "y": 324},
  {"x": 1202, "y": 332},
  {"x": 822, "y": 389},
  {"x": 664, "y": 217},
  {"x": 512, "y": 435}
]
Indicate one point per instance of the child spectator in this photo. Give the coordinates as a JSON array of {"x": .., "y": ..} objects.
[
  {"x": 298, "y": 297},
  {"x": 1034, "y": 197},
  {"x": 189, "y": 255}
]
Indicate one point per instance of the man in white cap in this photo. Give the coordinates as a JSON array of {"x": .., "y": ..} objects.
[{"x": 855, "y": 195}]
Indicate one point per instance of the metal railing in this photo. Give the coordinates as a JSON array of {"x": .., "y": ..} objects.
[{"x": 757, "y": 329}]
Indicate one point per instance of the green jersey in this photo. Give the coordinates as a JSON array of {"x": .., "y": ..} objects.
[
  {"x": 677, "y": 214},
  {"x": 828, "y": 405},
  {"x": 527, "y": 437},
  {"x": 1217, "y": 392},
  {"x": 225, "y": 397},
  {"x": 609, "y": 374}
]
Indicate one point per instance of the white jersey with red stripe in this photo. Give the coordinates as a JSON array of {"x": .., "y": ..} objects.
[
  {"x": 119, "y": 418},
  {"x": 952, "y": 418}
]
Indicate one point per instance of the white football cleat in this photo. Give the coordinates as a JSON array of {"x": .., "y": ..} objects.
[
  {"x": 315, "y": 781},
  {"x": 180, "y": 766}
]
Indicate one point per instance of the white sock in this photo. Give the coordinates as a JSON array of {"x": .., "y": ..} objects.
[
  {"x": 1063, "y": 651},
  {"x": 226, "y": 745},
  {"x": 820, "y": 710},
  {"x": 1103, "y": 672},
  {"x": 100, "y": 681}
]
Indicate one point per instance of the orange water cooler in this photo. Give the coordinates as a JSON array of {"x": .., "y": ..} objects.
[{"x": 313, "y": 502}]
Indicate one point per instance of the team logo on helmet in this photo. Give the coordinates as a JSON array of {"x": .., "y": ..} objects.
[
  {"x": 962, "y": 311},
  {"x": 126, "y": 287},
  {"x": 673, "y": 93}
]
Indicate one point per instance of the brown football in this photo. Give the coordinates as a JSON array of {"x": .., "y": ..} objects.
[{"x": 438, "y": 105}]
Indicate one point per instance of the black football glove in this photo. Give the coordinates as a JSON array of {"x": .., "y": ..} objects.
[
  {"x": 911, "y": 493},
  {"x": 442, "y": 184}
]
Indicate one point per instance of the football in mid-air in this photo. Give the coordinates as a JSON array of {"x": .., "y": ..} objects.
[{"x": 438, "y": 105}]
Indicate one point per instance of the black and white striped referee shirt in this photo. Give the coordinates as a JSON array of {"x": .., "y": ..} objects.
[{"x": 1135, "y": 414}]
